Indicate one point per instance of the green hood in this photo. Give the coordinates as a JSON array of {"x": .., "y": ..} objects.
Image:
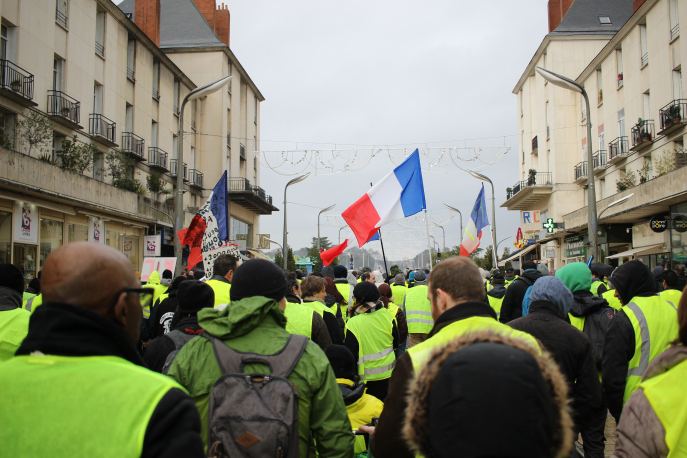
[
  {"x": 576, "y": 276},
  {"x": 240, "y": 317},
  {"x": 154, "y": 278}
]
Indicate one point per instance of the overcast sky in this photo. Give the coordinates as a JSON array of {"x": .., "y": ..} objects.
[{"x": 386, "y": 72}]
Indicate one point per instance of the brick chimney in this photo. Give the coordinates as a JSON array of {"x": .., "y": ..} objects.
[
  {"x": 636, "y": 4},
  {"x": 222, "y": 23},
  {"x": 147, "y": 17},
  {"x": 557, "y": 10},
  {"x": 207, "y": 9}
]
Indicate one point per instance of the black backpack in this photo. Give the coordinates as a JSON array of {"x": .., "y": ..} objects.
[{"x": 596, "y": 326}]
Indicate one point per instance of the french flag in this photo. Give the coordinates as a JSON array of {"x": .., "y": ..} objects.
[
  {"x": 478, "y": 221},
  {"x": 401, "y": 193}
]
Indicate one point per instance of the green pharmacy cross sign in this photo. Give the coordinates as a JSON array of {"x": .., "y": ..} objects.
[{"x": 549, "y": 225}]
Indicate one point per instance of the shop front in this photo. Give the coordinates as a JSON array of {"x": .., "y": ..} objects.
[
  {"x": 678, "y": 235},
  {"x": 576, "y": 248}
]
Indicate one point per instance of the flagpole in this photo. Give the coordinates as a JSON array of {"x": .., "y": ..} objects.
[
  {"x": 429, "y": 247},
  {"x": 386, "y": 269}
]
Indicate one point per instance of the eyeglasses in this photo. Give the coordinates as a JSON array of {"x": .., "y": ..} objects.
[{"x": 145, "y": 297}]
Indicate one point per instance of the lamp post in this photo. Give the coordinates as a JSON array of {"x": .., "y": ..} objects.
[
  {"x": 318, "y": 225},
  {"x": 461, "y": 221},
  {"x": 567, "y": 83},
  {"x": 497, "y": 248},
  {"x": 614, "y": 203},
  {"x": 272, "y": 241},
  {"x": 179, "y": 197},
  {"x": 479, "y": 176},
  {"x": 340, "y": 229},
  {"x": 294, "y": 181},
  {"x": 443, "y": 232}
]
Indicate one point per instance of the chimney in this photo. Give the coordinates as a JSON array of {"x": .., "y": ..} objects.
[
  {"x": 557, "y": 10},
  {"x": 222, "y": 23},
  {"x": 147, "y": 18},
  {"x": 636, "y": 4},
  {"x": 207, "y": 9}
]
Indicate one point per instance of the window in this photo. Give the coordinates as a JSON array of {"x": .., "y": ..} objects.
[
  {"x": 194, "y": 107},
  {"x": 643, "y": 44},
  {"x": 100, "y": 33},
  {"x": 156, "y": 80},
  {"x": 176, "y": 97},
  {"x": 584, "y": 108},
  {"x": 674, "y": 20},
  {"x": 522, "y": 145},
  {"x": 619, "y": 66},
  {"x": 129, "y": 120},
  {"x": 98, "y": 99},
  {"x": 604, "y": 20},
  {"x": 602, "y": 185},
  {"x": 548, "y": 130},
  {"x": 621, "y": 123},
  {"x": 584, "y": 149},
  {"x": 602, "y": 142},
  {"x": 546, "y": 67},
  {"x": 99, "y": 166},
  {"x": 175, "y": 146},
  {"x": 3, "y": 42},
  {"x": 61, "y": 13},
  {"x": 242, "y": 231},
  {"x": 57, "y": 139},
  {"x": 7, "y": 125},
  {"x": 677, "y": 84},
  {"x": 153, "y": 134},
  {"x": 548, "y": 160},
  {"x": 7, "y": 41},
  {"x": 256, "y": 110},
  {"x": 599, "y": 84},
  {"x": 192, "y": 158},
  {"x": 58, "y": 74},
  {"x": 647, "y": 106},
  {"x": 131, "y": 60},
  {"x": 229, "y": 84}
]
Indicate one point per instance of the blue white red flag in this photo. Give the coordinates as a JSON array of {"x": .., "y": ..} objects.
[{"x": 478, "y": 221}]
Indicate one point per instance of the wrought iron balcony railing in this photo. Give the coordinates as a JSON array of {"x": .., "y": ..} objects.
[
  {"x": 102, "y": 127},
  {"x": 157, "y": 158},
  {"x": 581, "y": 170},
  {"x": 60, "y": 104},
  {"x": 673, "y": 114},
  {"x": 243, "y": 185},
  {"x": 173, "y": 168},
  {"x": 599, "y": 159},
  {"x": 643, "y": 133},
  {"x": 16, "y": 79},
  {"x": 133, "y": 145},
  {"x": 618, "y": 147},
  {"x": 540, "y": 179},
  {"x": 195, "y": 178}
]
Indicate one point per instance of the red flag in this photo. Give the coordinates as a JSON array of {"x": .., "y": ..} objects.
[
  {"x": 331, "y": 254},
  {"x": 196, "y": 254}
]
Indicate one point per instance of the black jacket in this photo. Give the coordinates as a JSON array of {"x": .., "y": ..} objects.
[
  {"x": 571, "y": 349},
  {"x": 332, "y": 326},
  {"x": 512, "y": 302},
  {"x": 681, "y": 281},
  {"x": 385, "y": 443},
  {"x": 329, "y": 301},
  {"x": 160, "y": 321},
  {"x": 159, "y": 349},
  {"x": 66, "y": 330}
]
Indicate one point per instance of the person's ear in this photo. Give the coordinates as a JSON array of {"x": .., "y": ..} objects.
[
  {"x": 120, "y": 312},
  {"x": 229, "y": 275}
]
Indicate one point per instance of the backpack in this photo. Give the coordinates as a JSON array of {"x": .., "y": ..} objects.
[
  {"x": 254, "y": 415},
  {"x": 596, "y": 327},
  {"x": 179, "y": 339},
  {"x": 526, "y": 297}
]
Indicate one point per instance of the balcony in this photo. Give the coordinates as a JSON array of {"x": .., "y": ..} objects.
[
  {"x": 581, "y": 172},
  {"x": 618, "y": 149},
  {"x": 195, "y": 178},
  {"x": 253, "y": 198},
  {"x": 133, "y": 146},
  {"x": 130, "y": 74},
  {"x": 16, "y": 83},
  {"x": 642, "y": 135},
  {"x": 672, "y": 116},
  {"x": 599, "y": 161},
  {"x": 100, "y": 49},
  {"x": 675, "y": 32},
  {"x": 193, "y": 123},
  {"x": 645, "y": 59},
  {"x": 157, "y": 159},
  {"x": 524, "y": 194},
  {"x": 61, "y": 18},
  {"x": 156, "y": 94},
  {"x": 64, "y": 109},
  {"x": 535, "y": 145},
  {"x": 103, "y": 130},
  {"x": 173, "y": 168},
  {"x": 242, "y": 153}
]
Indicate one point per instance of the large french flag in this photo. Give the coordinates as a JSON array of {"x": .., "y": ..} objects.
[
  {"x": 401, "y": 193},
  {"x": 478, "y": 221}
]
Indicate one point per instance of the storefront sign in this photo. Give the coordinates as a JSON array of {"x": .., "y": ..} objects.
[
  {"x": 680, "y": 224},
  {"x": 128, "y": 246},
  {"x": 644, "y": 235},
  {"x": 574, "y": 246},
  {"x": 530, "y": 222},
  {"x": 550, "y": 252},
  {"x": 26, "y": 222},
  {"x": 151, "y": 245},
  {"x": 658, "y": 224},
  {"x": 96, "y": 230},
  {"x": 240, "y": 243},
  {"x": 263, "y": 243},
  {"x": 573, "y": 239},
  {"x": 157, "y": 264},
  {"x": 210, "y": 256}
]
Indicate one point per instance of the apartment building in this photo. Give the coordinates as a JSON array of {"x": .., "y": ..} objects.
[
  {"x": 623, "y": 86},
  {"x": 109, "y": 94}
]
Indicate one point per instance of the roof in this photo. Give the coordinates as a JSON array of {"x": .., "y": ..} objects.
[
  {"x": 583, "y": 17},
  {"x": 181, "y": 24}
]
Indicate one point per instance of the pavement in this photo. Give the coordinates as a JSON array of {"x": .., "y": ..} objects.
[{"x": 611, "y": 437}]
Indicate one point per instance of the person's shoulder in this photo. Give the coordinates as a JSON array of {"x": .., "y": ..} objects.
[{"x": 373, "y": 405}]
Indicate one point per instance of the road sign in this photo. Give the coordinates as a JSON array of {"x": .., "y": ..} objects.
[
  {"x": 350, "y": 266},
  {"x": 549, "y": 225}
]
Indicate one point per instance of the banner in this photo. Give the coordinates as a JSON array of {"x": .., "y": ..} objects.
[
  {"x": 530, "y": 221},
  {"x": 151, "y": 245},
  {"x": 26, "y": 222},
  {"x": 160, "y": 264},
  {"x": 210, "y": 256},
  {"x": 96, "y": 230}
]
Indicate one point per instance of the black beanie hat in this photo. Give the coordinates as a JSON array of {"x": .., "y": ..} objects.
[
  {"x": 177, "y": 281},
  {"x": 366, "y": 292},
  {"x": 167, "y": 273},
  {"x": 194, "y": 295},
  {"x": 258, "y": 277},
  {"x": 340, "y": 272},
  {"x": 11, "y": 277},
  {"x": 342, "y": 360}
]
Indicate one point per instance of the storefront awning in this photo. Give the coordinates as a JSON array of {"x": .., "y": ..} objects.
[
  {"x": 651, "y": 249},
  {"x": 517, "y": 255}
]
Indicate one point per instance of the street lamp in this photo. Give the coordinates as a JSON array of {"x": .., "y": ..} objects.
[
  {"x": 318, "y": 225},
  {"x": 479, "y": 176},
  {"x": 340, "y": 229},
  {"x": 179, "y": 198},
  {"x": 272, "y": 241},
  {"x": 461, "y": 221},
  {"x": 497, "y": 248},
  {"x": 444, "y": 233},
  {"x": 567, "y": 83},
  {"x": 294, "y": 181},
  {"x": 614, "y": 203}
]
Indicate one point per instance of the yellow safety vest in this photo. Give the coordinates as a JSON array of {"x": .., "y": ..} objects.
[
  {"x": 345, "y": 290},
  {"x": 393, "y": 310},
  {"x": 612, "y": 300},
  {"x": 221, "y": 290},
  {"x": 360, "y": 413},
  {"x": 496, "y": 304},
  {"x": 319, "y": 307},
  {"x": 420, "y": 353},
  {"x": 299, "y": 319},
  {"x": 672, "y": 296},
  {"x": 60, "y": 408},
  {"x": 14, "y": 325},
  {"x": 594, "y": 288},
  {"x": 577, "y": 321},
  {"x": 399, "y": 293},
  {"x": 655, "y": 325},
  {"x": 33, "y": 302},
  {"x": 373, "y": 331},
  {"x": 667, "y": 394},
  {"x": 508, "y": 282},
  {"x": 418, "y": 311}
]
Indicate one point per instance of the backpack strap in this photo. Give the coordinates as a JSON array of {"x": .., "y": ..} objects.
[
  {"x": 281, "y": 363},
  {"x": 527, "y": 281}
]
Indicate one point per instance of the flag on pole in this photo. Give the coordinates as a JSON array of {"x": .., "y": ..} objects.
[
  {"x": 209, "y": 229},
  {"x": 401, "y": 193},
  {"x": 478, "y": 221},
  {"x": 373, "y": 238}
]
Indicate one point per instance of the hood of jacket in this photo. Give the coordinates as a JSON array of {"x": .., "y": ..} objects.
[
  {"x": 166, "y": 281},
  {"x": 531, "y": 274},
  {"x": 246, "y": 315},
  {"x": 350, "y": 278},
  {"x": 329, "y": 300},
  {"x": 10, "y": 299},
  {"x": 585, "y": 303},
  {"x": 328, "y": 272},
  {"x": 510, "y": 277},
  {"x": 154, "y": 278},
  {"x": 633, "y": 279},
  {"x": 498, "y": 291},
  {"x": 290, "y": 297},
  {"x": 576, "y": 276},
  {"x": 462, "y": 415},
  {"x": 411, "y": 277},
  {"x": 352, "y": 392}
]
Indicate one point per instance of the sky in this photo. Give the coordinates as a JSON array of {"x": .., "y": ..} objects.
[{"x": 336, "y": 74}]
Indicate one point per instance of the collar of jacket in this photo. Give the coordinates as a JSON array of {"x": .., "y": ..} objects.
[
  {"x": 66, "y": 330},
  {"x": 341, "y": 281},
  {"x": 498, "y": 291},
  {"x": 369, "y": 307},
  {"x": 419, "y": 283},
  {"x": 460, "y": 312},
  {"x": 315, "y": 299},
  {"x": 585, "y": 303},
  {"x": 220, "y": 278},
  {"x": 10, "y": 299},
  {"x": 189, "y": 325},
  {"x": 246, "y": 315},
  {"x": 546, "y": 307},
  {"x": 352, "y": 392},
  {"x": 290, "y": 297}
]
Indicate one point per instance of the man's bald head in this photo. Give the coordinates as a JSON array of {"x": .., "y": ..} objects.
[{"x": 86, "y": 274}]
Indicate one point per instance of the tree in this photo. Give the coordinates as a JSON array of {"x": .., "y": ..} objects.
[
  {"x": 488, "y": 259},
  {"x": 315, "y": 255},
  {"x": 77, "y": 156},
  {"x": 290, "y": 261},
  {"x": 36, "y": 130},
  {"x": 324, "y": 243},
  {"x": 506, "y": 253},
  {"x": 279, "y": 259},
  {"x": 120, "y": 168}
]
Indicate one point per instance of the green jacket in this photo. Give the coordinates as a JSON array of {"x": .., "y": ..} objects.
[{"x": 257, "y": 324}]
